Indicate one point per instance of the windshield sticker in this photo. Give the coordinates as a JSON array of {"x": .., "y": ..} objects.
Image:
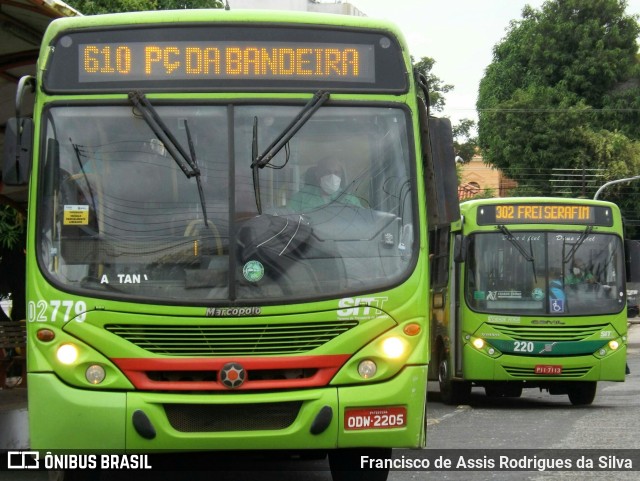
[
  {"x": 537, "y": 294},
  {"x": 504, "y": 319},
  {"x": 479, "y": 295},
  {"x": 253, "y": 271},
  {"x": 495, "y": 295},
  {"x": 126, "y": 278},
  {"x": 76, "y": 215},
  {"x": 556, "y": 305},
  {"x": 522, "y": 237},
  {"x": 574, "y": 238}
]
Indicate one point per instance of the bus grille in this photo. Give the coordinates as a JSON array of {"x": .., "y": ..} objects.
[
  {"x": 247, "y": 340},
  {"x": 212, "y": 418},
  {"x": 529, "y": 372},
  {"x": 548, "y": 333}
]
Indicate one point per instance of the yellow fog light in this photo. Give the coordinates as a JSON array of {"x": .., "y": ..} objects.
[
  {"x": 392, "y": 347},
  {"x": 478, "y": 343},
  {"x": 613, "y": 345},
  {"x": 367, "y": 369},
  {"x": 67, "y": 354},
  {"x": 95, "y": 374}
]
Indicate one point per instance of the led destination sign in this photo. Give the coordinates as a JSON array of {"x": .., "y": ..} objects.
[
  {"x": 214, "y": 57},
  {"x": 224, "y": 60},
  {"x": 544, "y": 214}
]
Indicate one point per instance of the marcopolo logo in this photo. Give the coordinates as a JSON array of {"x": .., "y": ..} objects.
[
  {"x": 233, "y": 311},
  {"x": 23, "y": 460}
]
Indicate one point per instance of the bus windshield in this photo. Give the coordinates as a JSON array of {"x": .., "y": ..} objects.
[
  {"x": 121, "y": 219},
  {"x": 545, "y": 273}
]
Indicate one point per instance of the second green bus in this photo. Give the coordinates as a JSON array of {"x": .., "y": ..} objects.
[{"x": 529, "y": 293}]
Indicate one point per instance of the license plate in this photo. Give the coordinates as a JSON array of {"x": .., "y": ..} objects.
[
  {"x": 549, "y": 370},
  {"x": 375, "y": 418}
]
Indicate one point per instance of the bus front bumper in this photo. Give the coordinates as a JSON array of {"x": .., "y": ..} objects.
[
  {"x": 478, "y": 366},
  {"x": 64, "y": 417}
]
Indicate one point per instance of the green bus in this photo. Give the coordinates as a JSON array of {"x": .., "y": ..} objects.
[
  {"x": 529, "y": 293},
  {"x": 228, "y": 233}
]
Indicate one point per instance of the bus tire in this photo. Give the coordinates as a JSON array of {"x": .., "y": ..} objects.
[
  {"x": 582, "y": 393},
  {"x": 345, "y": 464},
  {"x": 451, "y": 391}
]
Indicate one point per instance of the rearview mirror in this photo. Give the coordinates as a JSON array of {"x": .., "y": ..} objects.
[
  {"x": 460, "y": 244},
  {"x": 18, "y": 138}
]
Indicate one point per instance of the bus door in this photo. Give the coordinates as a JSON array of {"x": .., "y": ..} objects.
[{"x": 459, "y": 252}]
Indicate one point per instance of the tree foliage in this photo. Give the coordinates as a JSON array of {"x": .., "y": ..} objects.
[
  {"x": 465, "y": 142},
  {"x": 12, "y": 228},
  {"x": 463, "y": 133},
  {"x": 12, "y": 260},
  {"x": 437, "y": 87},
  {"x": 563, "y": 92}
]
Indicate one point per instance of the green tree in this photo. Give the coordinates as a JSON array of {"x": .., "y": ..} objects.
[
  {"x": 95, "y": 7},
  {"x": 563, "y": 92},
  {"x": 464, "y": 141},
  {"x": 437, "y": 87},
  {"x": 12, "y": 259},
  {"x": 12, "y": 227}
]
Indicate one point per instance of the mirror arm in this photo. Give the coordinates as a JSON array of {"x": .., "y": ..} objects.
[{"x": 25, "y": 82}]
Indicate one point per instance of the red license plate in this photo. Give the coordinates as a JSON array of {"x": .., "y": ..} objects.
[
  {"x": 548, "y": 370},
  {"x": 375, "y": 418}
]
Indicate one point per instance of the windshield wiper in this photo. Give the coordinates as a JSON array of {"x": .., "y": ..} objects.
[
  {"x": 578, "y": 243},
  {"x": 290, "y": 130},
  {"x": 260, "y": 161},
  {"x": 76, "y": 149},
  {"x": 516, "y": 243},
  {"x": 187, "y": 161}
]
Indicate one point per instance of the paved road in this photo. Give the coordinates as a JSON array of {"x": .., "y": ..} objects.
[{"x": 536, "y": 421}]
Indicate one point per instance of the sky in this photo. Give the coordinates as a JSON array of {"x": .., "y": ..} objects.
[{"x": 459, "y": 35}]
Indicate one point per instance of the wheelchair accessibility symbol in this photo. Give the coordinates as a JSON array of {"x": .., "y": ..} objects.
[{"x": 557, "y": 305}]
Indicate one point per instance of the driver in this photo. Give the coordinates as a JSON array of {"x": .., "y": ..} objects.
[
  {"x": 579, "y": 273},
  {"x": 323, "y": 184}
]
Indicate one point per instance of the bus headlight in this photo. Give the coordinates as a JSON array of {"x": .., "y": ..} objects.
[
  {"x": 481, "y": 345},
  {"x": 614, "y": 345},
  {"x": 67, "y": 354},
  {"x": 367, "y": 369},
  {"x": 393, "y": 347},
  {"x": 95, "y": 374}
]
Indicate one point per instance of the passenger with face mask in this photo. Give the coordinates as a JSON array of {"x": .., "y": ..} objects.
[{"x": 323, "y": 185}]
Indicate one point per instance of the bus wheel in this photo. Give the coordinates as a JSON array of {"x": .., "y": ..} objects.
[
  {"x": 451, "y": 392},
  {"x": 582, "y": 393},
  {"x": 346, "y": 464}
]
